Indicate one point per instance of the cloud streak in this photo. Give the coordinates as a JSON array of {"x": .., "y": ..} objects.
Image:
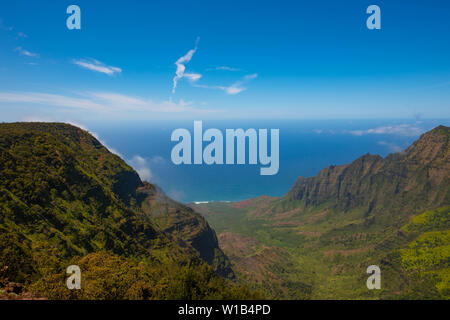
[
  {"x": 25, "y": 52},
  {"x": 223, "y": 68},
  {"x": 106, "y": 102},
  {"x": 181, "y": 73},
  {"x": 142, "y": 167},
  {"x": 401, "y": 129},
  {"x": 235, "y": 88},
  {"x": 391, "y": 146},
  {"x": 49, "y": 100},
  {"x": 97, "y": 66},
  {"x": 181, "y": 68}
]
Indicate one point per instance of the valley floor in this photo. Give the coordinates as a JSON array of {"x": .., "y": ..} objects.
[{"x": 318, "y": 254}]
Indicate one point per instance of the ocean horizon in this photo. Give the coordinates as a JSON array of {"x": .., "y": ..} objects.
[{"x": 306, "y": 147}]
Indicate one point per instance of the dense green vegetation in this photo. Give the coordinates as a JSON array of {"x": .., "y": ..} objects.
[
  {"x": 318, "y": 240},
  {"x": 113, "y": 277},
  {"x": 65, "y": 199}
]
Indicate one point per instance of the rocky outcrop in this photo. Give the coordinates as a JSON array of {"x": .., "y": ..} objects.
[{"x": 415, "y": 179}]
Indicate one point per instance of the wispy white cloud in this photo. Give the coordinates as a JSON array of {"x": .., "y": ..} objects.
[
  {"x": 391, "y": 146},
  {"x": 49, "y": 100},
  {"x": 25, "y": 52},
  {"x": 235, "y": 88},
  {"x": 232, "y": 90},
  {"x": 22, "y": 35},
  {"x": 180, "y": 73},
  {"x": 401, "y": 129},
  {"x": 181, "y": 68},
  {"x": 36, "y": 119},
  {"x": 101, "y": 102},
  {"x": 192, "y": 76},
  {"x": 224, "y": 68},
  {"x": 157, "y": 160},
  {"x": 115, "y": 101},
  {"x": 97, "y": 66},
  {"x": 142, "y": 167}
]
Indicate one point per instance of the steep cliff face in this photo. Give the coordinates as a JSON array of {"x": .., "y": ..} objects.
[
  {"x": 184, "y": 225},
  {"x": 415, "y": 179},
  {"x": 60, "y": 186}
]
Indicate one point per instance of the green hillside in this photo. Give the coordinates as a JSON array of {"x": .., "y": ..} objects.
[
  {"x": 65, "y": 199},
  {"x": 318, "y": 240}
]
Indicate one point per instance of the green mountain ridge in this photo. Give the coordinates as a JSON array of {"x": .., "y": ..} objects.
[
  {"x": 65, "y": 199},
  {"x": 401, "y": 181},
  {"x": 318, "y": 239}
]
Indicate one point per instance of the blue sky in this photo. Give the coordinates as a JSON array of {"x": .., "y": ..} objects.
[{"x": 242, "y": 59}]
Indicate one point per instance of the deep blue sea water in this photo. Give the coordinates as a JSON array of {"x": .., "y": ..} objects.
[{"x": 306, "y": 146}]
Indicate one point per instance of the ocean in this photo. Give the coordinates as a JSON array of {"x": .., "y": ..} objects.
[{"x": 306, "y": 147}]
